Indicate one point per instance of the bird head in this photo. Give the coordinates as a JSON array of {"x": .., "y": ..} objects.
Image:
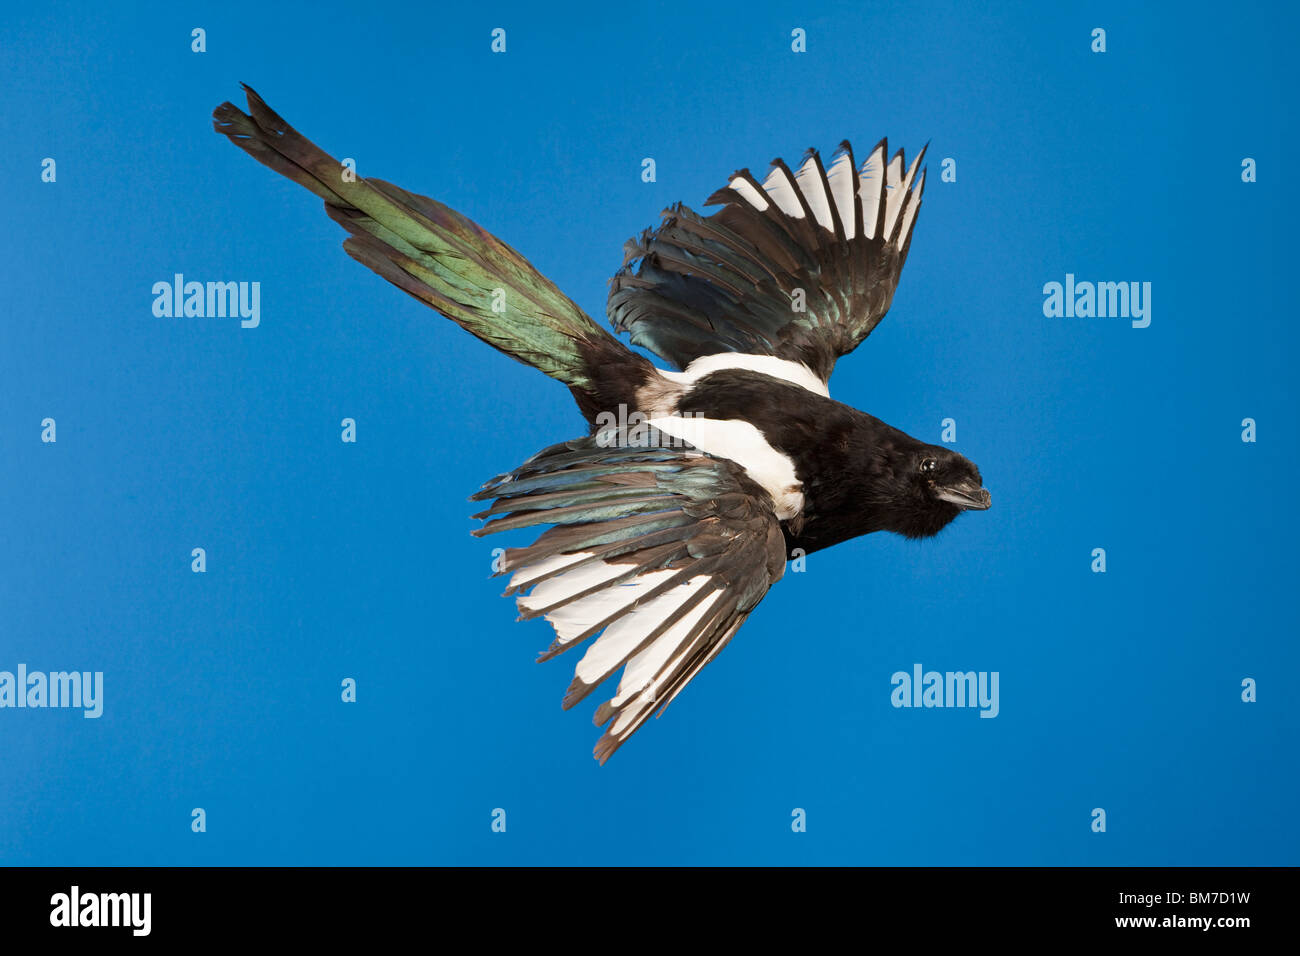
[{"x": 937, "y": 484}]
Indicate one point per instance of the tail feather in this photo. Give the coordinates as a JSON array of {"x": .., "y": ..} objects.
[{"x": 436, "y": 255}]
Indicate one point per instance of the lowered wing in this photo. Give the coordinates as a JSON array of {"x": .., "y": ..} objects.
[{"x": 658, "y": 553}]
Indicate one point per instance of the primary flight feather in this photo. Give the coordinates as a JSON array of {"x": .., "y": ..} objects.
[{"x": 670, "y": 520}]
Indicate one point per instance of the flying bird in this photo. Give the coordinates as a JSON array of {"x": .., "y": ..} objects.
[{"x": 669, "y": 520}]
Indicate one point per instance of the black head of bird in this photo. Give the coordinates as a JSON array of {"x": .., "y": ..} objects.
[{"x": 933, "y": 485}]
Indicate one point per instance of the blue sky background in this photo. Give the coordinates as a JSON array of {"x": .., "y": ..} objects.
[{"x": 326, "y": 560}]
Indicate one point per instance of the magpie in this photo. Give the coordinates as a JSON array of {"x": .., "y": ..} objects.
[{"x": 669, "y": 519}]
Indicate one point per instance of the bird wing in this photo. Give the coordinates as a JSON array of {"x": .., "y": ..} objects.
[
  {"x": 662, "y": 551},
  {"x": 731, "y": 282}
]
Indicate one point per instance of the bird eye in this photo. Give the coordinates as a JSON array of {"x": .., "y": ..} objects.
[{"x": 929, "y": 465}]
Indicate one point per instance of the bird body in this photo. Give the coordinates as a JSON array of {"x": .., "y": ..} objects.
[{"x": 666, "y": 527}]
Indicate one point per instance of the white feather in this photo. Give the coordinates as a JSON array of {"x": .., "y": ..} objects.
[
  {"x": 741, "y": 442},
  {"x": 796, "y": 373},
  {"x": 840, "y": 176},
  {"x": 639, "y": 673},
  {"x": 698, "y": 666},
  {"x": 911, "y": 170},
  {"x": 910, "y": 215},
  {"x": 782, "y": 191},
  {"x": 810, "y": 184},
  {"x": 872, "y": 178},
  {"x": 747, "y": 192},
  {"x": 622, "y": 637},
  {"x": 556, "y": 589},
  {"x": 895, "y": 193},
  {"x": 531, "y": 572},
  {"x": 582, "y": 615},
  {"x": 634, "y": 713}
]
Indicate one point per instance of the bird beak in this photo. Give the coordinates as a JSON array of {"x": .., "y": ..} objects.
[{"x": 965, "y": 495}]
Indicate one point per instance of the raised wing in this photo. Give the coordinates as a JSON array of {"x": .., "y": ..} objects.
[
  {"x": 660, "y": 551},
  {"x": 801, "y": 266}
]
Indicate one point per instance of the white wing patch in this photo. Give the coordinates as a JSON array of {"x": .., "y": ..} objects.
[
  {"x": 741, "y": 442},
  {"x": 796, "y": 373}
]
